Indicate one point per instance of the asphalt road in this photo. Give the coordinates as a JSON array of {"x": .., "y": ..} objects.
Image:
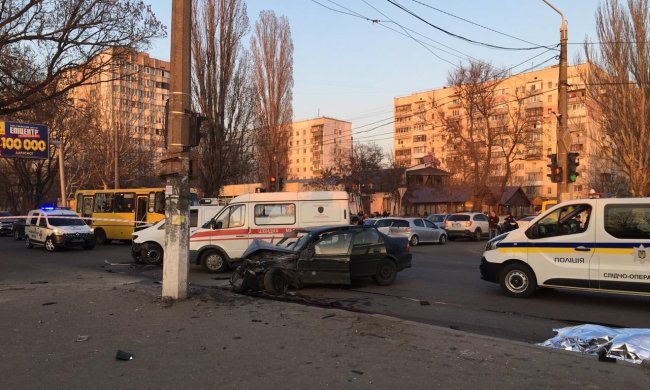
[{"x": 442, "y": 288}]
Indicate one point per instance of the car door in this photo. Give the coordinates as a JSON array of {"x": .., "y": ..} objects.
[
  {"x": 330, "y": 259},
  {"x": 229, "y": 231},
  {"x": 368, "y": 250},
  {"x": 433, "y": 229},
  {"x": 31, "y": 227},
  {"x": 559, "y": 252}
]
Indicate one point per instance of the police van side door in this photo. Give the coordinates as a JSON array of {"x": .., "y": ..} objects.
[
  {"x": 561, "y": 246},
  {"x": 624, "y": 248}
]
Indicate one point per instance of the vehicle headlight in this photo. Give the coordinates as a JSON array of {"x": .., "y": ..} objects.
[
  {"x": 57, "y": 232},
  {"x": 492, "y": 244}
]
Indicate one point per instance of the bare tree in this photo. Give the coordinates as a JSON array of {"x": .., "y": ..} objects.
[
  {"x": 48, "y": 47},
  {"x": 471, "y": 134},
  {"x": 273, "y": 79},
  {"x": 223, "y": 92},
  {"x": 620, "y": 80}
]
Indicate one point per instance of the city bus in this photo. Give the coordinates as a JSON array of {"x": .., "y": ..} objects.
[{"x": 115, "y": 214}]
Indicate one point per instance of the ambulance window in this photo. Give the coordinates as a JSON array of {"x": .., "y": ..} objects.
[
  {"x": 275, "y": 214},
  {"x": 194, "y": 218},
  {"x": 628, "y": 220},
  {"x": 233, "y": 216}
]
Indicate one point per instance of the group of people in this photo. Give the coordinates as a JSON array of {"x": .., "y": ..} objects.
[
  {"x": 358, "y": 219},
  {"x": 509, "y": 223}
]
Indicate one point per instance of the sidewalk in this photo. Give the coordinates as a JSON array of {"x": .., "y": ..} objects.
[{"x": 66, "y": 336}]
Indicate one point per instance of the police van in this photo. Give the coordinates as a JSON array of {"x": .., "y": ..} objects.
[
  {"x": 585, "y": 244},
  {"x": 57, "y": 228},
  {"x": 266, "y": 216}
]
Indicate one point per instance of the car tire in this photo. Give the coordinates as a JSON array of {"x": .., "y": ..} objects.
[
  {"x": 17, "y": 236},
  {"x": 478, "y": 234},
  {"x": 414, "y": 241},
  {"x": 442, "y": 240},
  {"x": 100, "y": 237},
  {"x": 28, "y": 243},
  {"x": 386, "y": 273},
  {"x": 49, "y": 244},
  {"x": 214, "y": 261},
  {"x": 152, "y": 254},
  {"x": 518, "y": 280},
  {"x": 275, "y": 282}
]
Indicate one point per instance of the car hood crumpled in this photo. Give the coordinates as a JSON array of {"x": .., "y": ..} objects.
[{"x": 261, "y": 245}]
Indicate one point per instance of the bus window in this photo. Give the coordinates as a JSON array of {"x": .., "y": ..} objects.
[
  {"x": 159, "y": 203},
  {"x": 103, "y": 202},
  {"x": 124, "y": 202},
  {"x": 79, "y": 204}
]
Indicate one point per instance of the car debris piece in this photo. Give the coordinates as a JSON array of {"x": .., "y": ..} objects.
[
  {"x": 48, "y": 303},
  {"x": 82, "y": 338},
  {"x": 121, "y": 355},
  {"x": 628, "y": 344}
]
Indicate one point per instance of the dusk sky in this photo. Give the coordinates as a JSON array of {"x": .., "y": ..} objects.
[{"x": 350, "y": 68}]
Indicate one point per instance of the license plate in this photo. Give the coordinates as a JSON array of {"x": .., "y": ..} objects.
[
  {"x": 455, "y": 224},
  {"x": 78, "y": 240}
]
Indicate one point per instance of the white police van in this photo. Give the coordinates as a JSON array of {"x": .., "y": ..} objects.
[
  {"x": 56, "y": 228},
  {"x": 587, "y": 244}
]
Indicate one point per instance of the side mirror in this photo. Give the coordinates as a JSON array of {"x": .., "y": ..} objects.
[{"x": 216, "y": 225}]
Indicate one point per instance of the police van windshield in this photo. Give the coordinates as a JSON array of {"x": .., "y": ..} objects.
[{"x": 66, "y": 221}]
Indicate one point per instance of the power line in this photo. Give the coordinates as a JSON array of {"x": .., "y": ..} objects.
[{"x": 460, "y": 36}]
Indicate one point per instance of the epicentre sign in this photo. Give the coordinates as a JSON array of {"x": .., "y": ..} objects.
[{"x": 23, "y": 140}]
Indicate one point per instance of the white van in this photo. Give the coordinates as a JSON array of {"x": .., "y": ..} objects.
[
  {"x": 147, "y": 244},
  {"x": 586, "y": 244},
  {"x": 266, "y": 216},
  {"x": 57, "y": 228}
]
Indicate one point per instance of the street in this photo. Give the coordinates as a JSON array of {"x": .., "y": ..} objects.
[{"x": 442, "y": 288}]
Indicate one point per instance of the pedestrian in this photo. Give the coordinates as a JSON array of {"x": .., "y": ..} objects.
[
  {"x": 509, "y": 223},
  {"x": 493, "y": 221}
]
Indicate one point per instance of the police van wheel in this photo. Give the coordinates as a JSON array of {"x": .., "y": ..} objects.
[
  {"x": 28, "y": 243},
  {"x": 518, "y": 280},
  {"x": 214, "y": 261},
  {"x": 49, "y": 245}
]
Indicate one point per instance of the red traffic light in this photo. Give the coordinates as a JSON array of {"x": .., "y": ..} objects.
[{"x": 272, "y": 179}]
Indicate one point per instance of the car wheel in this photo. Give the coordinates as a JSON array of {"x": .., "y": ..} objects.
[
  {"x": 275, "y": 282},
  {"x": 100, "y": 237},
  {"x": 214, "y": 261},
  {"x": 17, "y": 235},
  {"x": 386, "y": 273},
  {"x": 414, "y": 241},
  {"x": 49, "y": 244},
  {"x": 152, "y": 254},
  {"x": 518, "y": 280},
  {"x": 443, "y": 239},
  {"x": 28, "y": 243},
  {"x": 477, "y": 234}
]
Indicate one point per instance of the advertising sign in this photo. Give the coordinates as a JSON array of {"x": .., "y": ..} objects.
[{"x": 23, "y": 140}]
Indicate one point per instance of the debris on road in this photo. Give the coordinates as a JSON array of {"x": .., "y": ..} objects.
[
  {"x": 121, "y": 355},
  {"x": 48, "y": 303},
  {"x": 81, "y": 338}
]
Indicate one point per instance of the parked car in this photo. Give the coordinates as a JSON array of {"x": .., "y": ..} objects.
[
  {"x": 18, "y": 229},
  {"x": 418, "y": 230},
  {"x": 467, "y": 225},
  {"x": 322, "y": 255},
  {"x": 6, "y": 222},
  {"x": 438, "y": 219}
]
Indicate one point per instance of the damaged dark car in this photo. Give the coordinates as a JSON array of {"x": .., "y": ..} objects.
[{"x": 322, "y": 255}]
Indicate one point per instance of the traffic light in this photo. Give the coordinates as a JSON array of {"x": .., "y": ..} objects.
[
  {"x": 272, "y": 184},
  {"x": 572, "y": 167},
  {"x": 281, "y": 184},
  {"x": 556, "y": 170}
]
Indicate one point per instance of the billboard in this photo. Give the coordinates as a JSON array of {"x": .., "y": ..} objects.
[{"x": 23, "y": 140}]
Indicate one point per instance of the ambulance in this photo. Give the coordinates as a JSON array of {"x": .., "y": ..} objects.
[
  {"x": 266, "y": 216},
  {"x": 583, "y": 244}
]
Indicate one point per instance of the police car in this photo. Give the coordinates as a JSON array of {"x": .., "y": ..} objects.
[
  {"x": 585, "y": 244},
  {"x": 54, "y": 228}
]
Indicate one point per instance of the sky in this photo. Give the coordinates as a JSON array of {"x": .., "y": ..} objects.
[{"x": 352, "y": 57}]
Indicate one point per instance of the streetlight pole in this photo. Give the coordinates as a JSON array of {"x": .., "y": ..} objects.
[
  {"x": 59, "y": 151},
  {"x": 563, "y": 136}
]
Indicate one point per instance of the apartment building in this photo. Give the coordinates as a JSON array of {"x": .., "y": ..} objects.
[
  {"x": 317, "y": 145},
  {"x": 420, "y": 134},
  {"x": 132, "y": 98}
]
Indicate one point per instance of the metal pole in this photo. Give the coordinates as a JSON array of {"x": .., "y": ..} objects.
[
  {"x": 116, "y": 166},
  {"x": 59, "y": 145},
  {"x": 563, "y": 136},
  {"x": 177, "y": 191}
]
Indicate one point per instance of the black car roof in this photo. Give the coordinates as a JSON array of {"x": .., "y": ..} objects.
[{"x": 321, "y": 229}]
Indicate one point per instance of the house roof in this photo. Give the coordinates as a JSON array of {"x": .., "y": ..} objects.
[{"x": 424, "y": 170}]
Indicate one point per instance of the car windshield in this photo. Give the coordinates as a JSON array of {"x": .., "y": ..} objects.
[
  {"x": 302, "y": 241},
  {"x": 437, "y": 218},
  {"x": 4, "y": 214},
  {"x": 66, "y": 221}
]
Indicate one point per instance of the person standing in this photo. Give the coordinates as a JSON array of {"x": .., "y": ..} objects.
[
  {"x": 493, "y": 221},
  {"x": 509, "y": 223}
]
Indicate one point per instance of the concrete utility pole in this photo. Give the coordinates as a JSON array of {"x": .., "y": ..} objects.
[
  {"x": 176, "y": 167},
  {"x": 563, "y": 135}
]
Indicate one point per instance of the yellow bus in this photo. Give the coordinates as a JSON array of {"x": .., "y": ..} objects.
[{"x": 114, "y": 214}]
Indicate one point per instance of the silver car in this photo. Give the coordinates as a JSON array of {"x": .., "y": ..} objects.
[{"x": 418, "y": 230}]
